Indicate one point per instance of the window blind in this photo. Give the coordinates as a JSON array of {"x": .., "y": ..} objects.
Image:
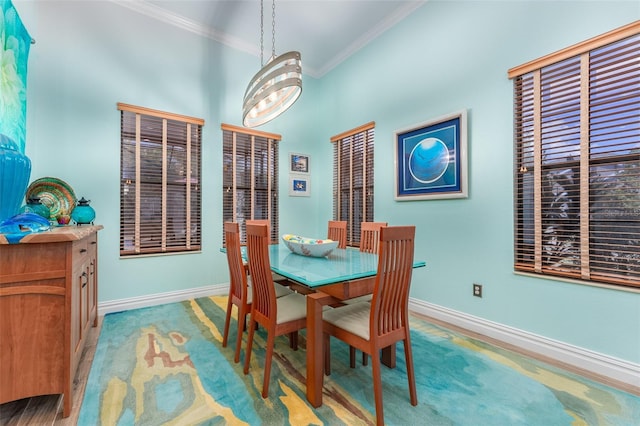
[
  {"x": 160, "y": 169},
  {"x": 577, "y": 162},
  {"x": 353, "y": 185},
  {"x": 250, "y": 178}
]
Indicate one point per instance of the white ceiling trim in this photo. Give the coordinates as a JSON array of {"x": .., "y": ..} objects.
[
  {"x": 179, "y": 21},
  {"x": 370, "y": 35}
]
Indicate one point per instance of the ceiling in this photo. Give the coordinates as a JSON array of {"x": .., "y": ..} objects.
[{"x": 325, "y": 32}]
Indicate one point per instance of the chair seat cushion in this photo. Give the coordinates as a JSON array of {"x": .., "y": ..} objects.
[
  {"x": 352, "y": 317},
  {"x": 282, "y": 290},
  {"x": 291, "y": 307},
  {"x": 249, "y": 291},
  {"x": 277, "y": 277},
  {"x": 366, "y": 298}
]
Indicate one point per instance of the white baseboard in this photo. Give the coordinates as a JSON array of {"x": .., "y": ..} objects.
[
  {"x": 161, "y": 298},
  {"x": 603, "y": 365}
]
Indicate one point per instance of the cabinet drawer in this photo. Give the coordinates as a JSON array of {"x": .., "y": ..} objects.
[
  {"x": 92, "y": 242},
  {"x": 80, "y": 252},
  {"x": 21, "y": 263}
]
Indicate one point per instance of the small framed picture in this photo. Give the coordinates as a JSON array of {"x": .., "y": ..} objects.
[
  {"x": 431, "y": 159},
  {"x": 298, "y": 163},
  {"x": 299, "y": 185}
]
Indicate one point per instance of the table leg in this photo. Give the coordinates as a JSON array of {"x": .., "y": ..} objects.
[
  {"x": 315, "y": 349},
  {"x": 389, "y": 356}
]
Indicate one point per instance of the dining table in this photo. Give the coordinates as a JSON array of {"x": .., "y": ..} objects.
[{"x": 343, "y": 274}]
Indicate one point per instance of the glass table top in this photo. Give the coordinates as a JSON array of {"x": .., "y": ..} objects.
[{"x": 340, "y": 265}]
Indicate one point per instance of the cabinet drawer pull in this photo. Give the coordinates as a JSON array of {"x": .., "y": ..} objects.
[
  {"x": 83, "y": 250},
  {"x": 86, "y": 279}
]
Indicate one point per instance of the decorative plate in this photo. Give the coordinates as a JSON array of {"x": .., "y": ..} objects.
[{"x": 54, "y": 193}]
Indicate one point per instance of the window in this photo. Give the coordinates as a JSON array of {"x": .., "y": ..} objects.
[
  {"x": 249, "y": 177},
  {"x": 160, "y": 196},
  {"x": 577, "y": 161},
  {"x": 353, "y": 179}
]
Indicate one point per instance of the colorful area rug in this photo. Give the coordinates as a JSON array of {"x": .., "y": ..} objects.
[{"x": 165, "y": 365}]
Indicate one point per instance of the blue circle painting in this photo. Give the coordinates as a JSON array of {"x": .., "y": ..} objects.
[{"x": 428, "y": 160}]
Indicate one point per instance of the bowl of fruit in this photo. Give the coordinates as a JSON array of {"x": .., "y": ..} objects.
[{"x": 312, "y": 247}]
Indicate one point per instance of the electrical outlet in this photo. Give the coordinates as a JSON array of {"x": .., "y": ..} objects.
[{"x": 477, "y": 290}]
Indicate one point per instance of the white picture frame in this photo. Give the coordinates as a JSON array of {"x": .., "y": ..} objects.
[
  {"x": 422, "y": 176},
  {"x": 298, "y": 163},
  {"x": 299, "y": 185}
]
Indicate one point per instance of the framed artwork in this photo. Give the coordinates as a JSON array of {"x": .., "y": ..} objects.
[
  {"x": 431, "y": 159},
  {"x": 16, "y": 43},
  {"x": 299, "y": 185},
  {"x": 298, "y": 163}
]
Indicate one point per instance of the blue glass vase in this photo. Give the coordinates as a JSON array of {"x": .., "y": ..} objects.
[
  {"x": 15, "y": 169},
  {"x": 83, "y": 213}
]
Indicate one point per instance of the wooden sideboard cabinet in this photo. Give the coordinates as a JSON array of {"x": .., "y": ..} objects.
[{"x": 48, "y": 301}]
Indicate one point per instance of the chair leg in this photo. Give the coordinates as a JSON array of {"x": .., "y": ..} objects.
[
  {"x": 293, "y": 340},
  {"x": 377, "y": 388},
  {"x": 242, "y": 322},
  {"x": 247, "y": 355},
  {"x": 410, "y": 372},
  {"x": 267, "y": 364},
  {"x": 227, "y": 320},
  {"x": 352, "y": 357}
]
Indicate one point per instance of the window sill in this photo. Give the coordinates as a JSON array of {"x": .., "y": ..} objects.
[{"x": 580, "y": 282}]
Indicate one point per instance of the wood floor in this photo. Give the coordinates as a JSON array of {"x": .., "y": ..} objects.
[{"x": 47, "y": 410}]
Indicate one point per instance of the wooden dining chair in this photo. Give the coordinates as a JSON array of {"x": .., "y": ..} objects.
[
  {"x": 337, "y": 231},
  {"x": 370, "y": 236},
  {"x": 240, "y": 293},
  {"x": 369, "y": 241},
  {"x": 278, "y": 316},
  {"x": 276, "y": 277},
  {"x": 373, "y": 326},
  {"x": 261, "y": 222}
]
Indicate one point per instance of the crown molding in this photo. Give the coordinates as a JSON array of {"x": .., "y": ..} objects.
[
  {"x": 371, "y": 35},
  {"x": 171, "y": 18},
  {"x": 180, "y": 21}
]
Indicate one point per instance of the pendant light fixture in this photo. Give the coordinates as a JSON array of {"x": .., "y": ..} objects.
[{"x": 276, "y": 86}]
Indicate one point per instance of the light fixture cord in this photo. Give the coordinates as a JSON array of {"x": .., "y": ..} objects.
[
  {"x": 273, "y": 29},
  {"x": 262, "y": 33}
]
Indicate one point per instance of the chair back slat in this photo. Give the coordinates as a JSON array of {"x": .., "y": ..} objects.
[
  {"x": 338, "y": 232},
  {"x": 262, "y": 222},
  {"x": 390, "y": 303},
  {"x": 370, "y": 236},
  {"x": 237, "y": 271},
  {"x": 264, "y": 295}
]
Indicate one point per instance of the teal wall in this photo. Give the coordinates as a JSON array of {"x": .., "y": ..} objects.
[{"x": 445, "y": 57}]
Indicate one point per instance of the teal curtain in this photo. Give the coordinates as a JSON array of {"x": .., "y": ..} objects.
[{"x": 15, "y": 42}]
